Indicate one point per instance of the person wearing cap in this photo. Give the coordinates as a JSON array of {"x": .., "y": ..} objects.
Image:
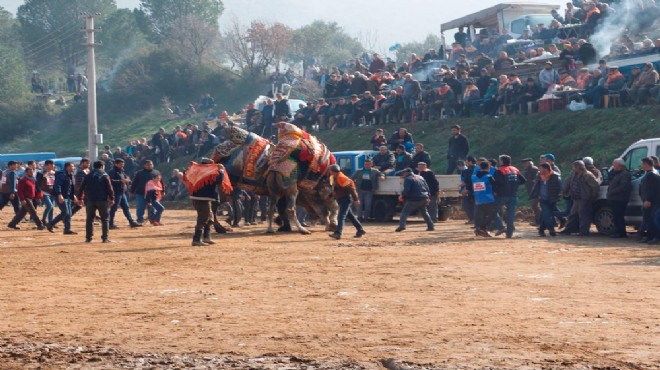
[
  {"x": 8, "y": 184},
  {"x": 530, "y": 92},
  {"x": 120, "y": 181},
  {"x": 507, "y": 180},
  {"x": 425, "y": 172},
  {"x": 415, "y": 197},
  {"x": 402, "y": 159},
  {"x": 618, "y": 195},
  {"x": 458, "y": 148},
  {"x": 648, "y": 78},
  {"x": 484, "y": 199},
  {"x": 346, "y": 194},
  {"x": 366, "y": 181},
  {"x": 547, "y": 189},
  {"x": 584, "y": 191},
  {"x": 548, "y": 76},
  {"x": 99, "y": 197},
  {"x": 649, "y": 191},
  {"x": 550, "y": 159}
]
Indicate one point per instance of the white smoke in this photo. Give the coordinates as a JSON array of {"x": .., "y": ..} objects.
[{"x": 628, "y": 16}]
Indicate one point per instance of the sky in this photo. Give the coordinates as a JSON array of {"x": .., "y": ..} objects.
[{"x": 391, "y": 21}]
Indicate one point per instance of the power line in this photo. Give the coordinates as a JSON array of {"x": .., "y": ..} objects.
[
  {"x": 51, "y": 43},
  {"x": 49, "y": 34}
]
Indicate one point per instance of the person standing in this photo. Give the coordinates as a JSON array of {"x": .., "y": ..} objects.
[
  {"x": 26, "y": 191},
  {"x": 45, "y": 182},
  {"x": 63, "y": 191},
  {"x": 618, "y": 195},
  {"x": 484, "y": 198},
  {"x": 584, "y": 191},
  {"x": 138, "y": 189},
  {"x": 345, "y": 193},
  {"x": 120, "y": 182},
  {"x": 649, "y": 191},
  {"x": 202, "y": 201},
  {"x": 530, "y": 172},
  {"x": 153, "y": 195},
  {"x": 434, "y": 189},
  {"x": 458, "y": 148},
  {"x": 8, "y": 183},
  {"x": 99, "y": 197},
  {"x": 412, "y": 91},
  {"x": 366, "y": 181},
  {"x": 467, "y": 191},
  {"x": 507, "y": 181},
  {"x": 78, "y": 177},
  {"x": 415, "y": 197},
  {"x": 547, "y": 189}
]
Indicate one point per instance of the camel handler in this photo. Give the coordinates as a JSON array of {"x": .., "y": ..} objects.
[
  {"x": 204, "y": 181},
  {"x": 345, "y": 194}
]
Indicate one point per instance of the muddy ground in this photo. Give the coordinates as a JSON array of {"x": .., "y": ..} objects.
[{"x": 414, "y": 300}]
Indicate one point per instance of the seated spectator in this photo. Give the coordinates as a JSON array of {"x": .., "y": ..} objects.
[
  {"x": 384, "y": 160},
  {"x": 400, "y": 137},
  {"x": 446, "y": 98},
  {"x": 378, "y": 139},
  {"x": 583, "y": 78},
  {"x": 531, "y": 92},
  {"x": 427, "y": 109},
  {"x": 627, "y": 88},
  {"x": 391, "y": 110},
  {"x": 646, "y": 81},
  {"x": 420, "y": 155},
  {"x": 402, "y": 159},
  {"x": 566, "y": 80},
  {"x": 338, "y": 114},
  {"x": 521, "y": 57},
  {"x": 471, "y": 97},
  {"x": 548, "y": 76}
]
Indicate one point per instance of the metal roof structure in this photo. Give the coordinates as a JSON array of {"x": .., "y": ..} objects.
[{"x": 488, "y": 17}]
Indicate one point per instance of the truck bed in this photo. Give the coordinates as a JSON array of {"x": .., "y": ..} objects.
[{"x": 449, "y": 186}]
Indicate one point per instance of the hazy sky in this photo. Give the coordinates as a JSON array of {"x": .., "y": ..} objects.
[{"x": 391, "y": 20}]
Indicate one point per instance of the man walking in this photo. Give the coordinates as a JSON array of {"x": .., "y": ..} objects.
[
  {"x": 415, "y": 197},
  {"x": 507, "y": 181},
  {"x": 434, "y": 189},
  {"x": 45, "y": 182},
  {"x": 618, "y": 195},
  {"x": 467, "y": 191},
  {"x": 8, "y": 184},
  {"x": 584, "y": 191},
  {"x": 63, "y": 191},
  {"x": 366, "y": 181},
  {"x": 345, "y": 193},
  {"x": 547, "y": 189},
  {"x": 99, "y": 196},
  {"x": 530, "y": 172},
  {"x": 138, "y": 186},
  {"x": 202, "y": 199},
  {"x": 26, "y": 193},
  {"x": 649, "y": 191},
  {"x": 484, "y": 198},
  {"x": 458, "y": 148},
  {"x": 120, "y": 182}
]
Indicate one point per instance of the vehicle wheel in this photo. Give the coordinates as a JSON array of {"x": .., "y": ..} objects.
[
  {"x": 445, "y": 212},
  {"x": 383, "y": 209},
  {"x": 604, "y": 220}
]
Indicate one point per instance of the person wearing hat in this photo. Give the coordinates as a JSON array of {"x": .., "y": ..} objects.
[
  {"x": 550, "y": 159},
  {"x": 346, "y": 194},
  {"x": 589, "y": 164},
  {"x": 584, "y": 191},
  {"x": 120, "y": 181},
  {"x": 547, "y": 189},
  {"x": 415, "y": 197},
  {"x": 548, "y": 76},
  {"x": 618, "y": 195},
  {"x": 201, "y": 198},
  {"x": 366, "y": 181}
]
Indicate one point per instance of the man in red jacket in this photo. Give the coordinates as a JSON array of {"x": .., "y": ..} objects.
[{"x": 26, "y": 191}]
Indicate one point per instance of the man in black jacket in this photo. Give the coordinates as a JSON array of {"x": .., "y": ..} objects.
[
  {"x": 649, "y": 191},
  {"x": 434, "y": 189},
  {"x": 120, "y": 182},
  {"x": 420, "y": 156},
  {"x": 138, "y": 188},
  {"x": 282, "y": 111},
  {"x": 458, "y": 149},
  {"x": 99, "y": 197},
  {"x": 467, "y": 191},
  {"x": 507, "y": 181},
  {"x": 202, "y": 203},
  {"x": 399, "y": 137},
  {"x": 618, "y": 195}
]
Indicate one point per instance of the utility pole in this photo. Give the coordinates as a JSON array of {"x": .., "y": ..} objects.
[{"x": 93, "y": 137}]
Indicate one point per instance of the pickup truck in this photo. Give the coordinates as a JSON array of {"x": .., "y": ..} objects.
[
  {"x": 386, "y": 199},
  {"x": 603, "y": 216}
]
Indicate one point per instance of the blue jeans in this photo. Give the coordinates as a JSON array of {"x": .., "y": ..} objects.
[
  {"x": 568, "y": 203},
  {"x": 65, "y": 213},
  {"x": 511, "y": 204},
  {"x": 120, "y": 201},
  {"x": 345, "y": 212},
  {"x": 140, "y": 207},
  {"x": 47, "y": 201},
  {"x": 547, "y": 221},
  {"x": 409, "y": 105},
  {"x": 366, "y": 199},
  {"x": 415, "y": 205},
  {"x": 156, "y": 211}
]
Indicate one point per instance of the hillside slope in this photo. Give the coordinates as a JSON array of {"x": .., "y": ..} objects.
[{"x": 601, "y": 134}]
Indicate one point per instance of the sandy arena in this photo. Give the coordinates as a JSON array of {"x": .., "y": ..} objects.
[{"x": 408, "y": 300}]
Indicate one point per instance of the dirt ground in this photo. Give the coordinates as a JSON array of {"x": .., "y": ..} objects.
[{"x": 414, "y": 300}]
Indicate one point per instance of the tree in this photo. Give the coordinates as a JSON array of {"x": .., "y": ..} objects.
[
  {"x": 12, "y": 74},
  {"x": 120, "y": 33},
  {"x": 420, "y": 48},
  {"x": 323, "y": 43},
  {"x": 192, "y": 39},
  {"x": 8, "y": 28},
  {"x": 162, "y": 14},
  {"x": 50, "y": 30},
  {"x": 255, "y": 49}
]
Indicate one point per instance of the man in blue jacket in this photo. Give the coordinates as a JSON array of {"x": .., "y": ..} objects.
[
  {"x": 120, "y": 181},
  {"x": 416, "y": 197},
  {"x": 8, "y": 183},
  {"x": 484, "y": 198},
  {"x": 63, "y": 191}
]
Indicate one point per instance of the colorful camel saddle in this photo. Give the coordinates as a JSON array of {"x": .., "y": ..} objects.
[{"x": 251, "y": 161}]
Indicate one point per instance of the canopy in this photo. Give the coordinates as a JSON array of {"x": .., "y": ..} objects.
[{"x": 488, "y": 17}]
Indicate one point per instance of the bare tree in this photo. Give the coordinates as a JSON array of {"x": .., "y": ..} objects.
[
  {"x": 369, "y": 39},
  {"x": 192, "y": 39}
]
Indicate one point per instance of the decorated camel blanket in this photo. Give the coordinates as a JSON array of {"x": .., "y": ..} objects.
[{"x": 199, "y": 175}]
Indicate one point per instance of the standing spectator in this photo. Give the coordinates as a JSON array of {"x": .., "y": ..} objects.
[
  {"x": 547, "y": 188},
  {"x": 420, "y": 156},
  {"x": 138, "y": 189},
  {"x": 584, "y": 190},
  {"x": 467, "y": 190},
  {"x": 45, "y": 182},
  {"x": 415, "y": 197},
  {"x": 461, "y": 37},
  {"x": 649, "y": 191},
  {"x": 548, "y": 76},
  {"x": 153, "y": 195},
  {"x": 618, "y": 195},
  {"x": 345, "y": 193},
  {"x": 366, "y": 181},
  {"x": 484, "y": 198},
  {"x": 282, "y": 111},
  {"x": 411, "y": 93},
  {"x": 26, "y": 190},
  {"x": 8, "y": 183},
  {"x": 377, "y": 64},
  {"x": 507, "y": 180},
  {"x": 63, "y": 190},
  {"x": 434, "y": 188},
  {"x": 120, "y": 180},
  {"x": 378, "y": 139},
  {"x": 458, "y": 148},
  {"x": 99, "y": 197},
  {"x": 202, "y": 200},
  {"x": 267, "y": 119},
  {"x": 530, "y": 171}
]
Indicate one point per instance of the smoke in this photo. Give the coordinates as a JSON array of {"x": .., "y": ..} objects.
[{"x": 628, "y": 17}]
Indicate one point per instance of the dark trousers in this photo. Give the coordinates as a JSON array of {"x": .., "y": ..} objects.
[
  {"x": 580, "y": 218},
  {"x": 485, "y": 215},
  {"x": 650, "y": 221},
  {"x": 102, "y": 208},
  {"x": 204, "y": 219},
  {"x": 452, "y": 166},
  {"x": 4, "y": 200},
  {"x": 121, "y": 201},
  {"x": 345, "y": 212},
  {"x": 415, "y": 205},
  {"x": 468, "y": 207},
  {"x": 547, "y": 219},
  {"x": 619, "y": 211},
  {"x": 28, "y": 208}
]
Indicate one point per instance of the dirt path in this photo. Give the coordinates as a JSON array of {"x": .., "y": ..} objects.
[{"x": 442, "y": 299}]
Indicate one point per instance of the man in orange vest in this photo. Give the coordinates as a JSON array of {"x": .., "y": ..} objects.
[{"x": 345, "y": 193}]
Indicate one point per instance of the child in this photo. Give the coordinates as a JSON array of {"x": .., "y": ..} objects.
[{"x": 154, "y": 191}]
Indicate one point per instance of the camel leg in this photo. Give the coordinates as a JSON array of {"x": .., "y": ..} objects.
[
  {"x": 291, "y": 212},
  {"x": 271, "y": 213},
  {"x": 333, "y": 210}
]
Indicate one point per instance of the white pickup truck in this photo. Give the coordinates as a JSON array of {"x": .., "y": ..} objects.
[
  {"x": 603, "y": 216},
  {"x": 386, "y": 199}
]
